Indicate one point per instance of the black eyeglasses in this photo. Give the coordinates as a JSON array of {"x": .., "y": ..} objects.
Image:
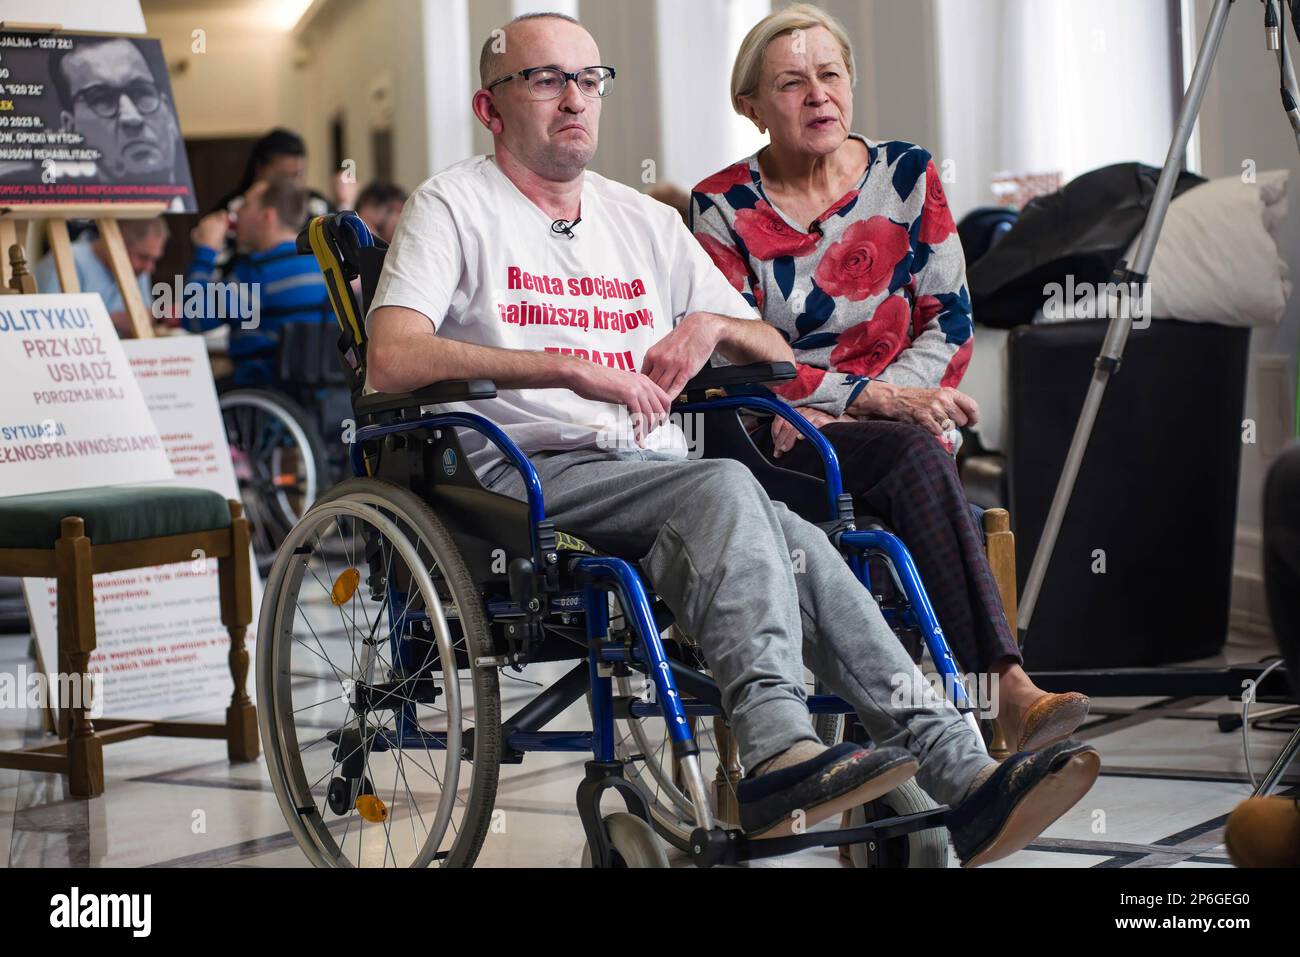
[
  {"x": 105, "y": 101},
  {"x": 546, "y": 82}
]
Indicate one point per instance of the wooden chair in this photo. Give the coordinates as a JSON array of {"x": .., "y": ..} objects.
[
  {"x": 70, "y": 536},
  {"x": 1000, "y": 547}
]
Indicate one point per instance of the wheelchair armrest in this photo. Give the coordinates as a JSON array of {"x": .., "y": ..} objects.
[
  {"x": 462, "y": 390},
  {"x": 719, "y": 377}
]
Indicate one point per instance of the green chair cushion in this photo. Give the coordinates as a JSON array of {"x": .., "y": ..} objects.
[{"x": 111, "y": 513}]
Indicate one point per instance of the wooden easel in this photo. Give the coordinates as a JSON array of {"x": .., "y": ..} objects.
[
  {"x": 14, "y": 221},
  {"x": 15, "y": 217}
]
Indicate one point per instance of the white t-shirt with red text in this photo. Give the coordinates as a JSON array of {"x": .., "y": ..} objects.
[{"x": 481, "y": 261}]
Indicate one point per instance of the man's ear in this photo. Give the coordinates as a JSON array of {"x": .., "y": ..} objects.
[
  {"x": 68, "y": 124},
  {"x": 485, "y": 110},
  {"x": 751, "y": 114}
]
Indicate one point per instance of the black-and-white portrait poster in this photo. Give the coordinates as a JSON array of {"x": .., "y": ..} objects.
[{"x": 89, "y": 119}]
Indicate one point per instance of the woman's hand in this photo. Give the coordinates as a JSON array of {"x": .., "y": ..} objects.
[
  {"x": 936, "y": 410},
  {"x": 785, "y": 435}
]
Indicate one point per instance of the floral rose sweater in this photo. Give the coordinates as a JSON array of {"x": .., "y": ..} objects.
[{"x": 875, "y": 289}]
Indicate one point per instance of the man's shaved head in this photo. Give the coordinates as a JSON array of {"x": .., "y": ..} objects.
[
  {"x": 553, "y": 136},
  {"x": 494, "y": 48}
]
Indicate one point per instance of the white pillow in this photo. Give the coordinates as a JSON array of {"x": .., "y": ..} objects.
[{"x": 1217, "y": 257}]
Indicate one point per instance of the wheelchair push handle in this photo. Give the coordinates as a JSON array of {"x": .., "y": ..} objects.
[{"x": 346, "y": 230}]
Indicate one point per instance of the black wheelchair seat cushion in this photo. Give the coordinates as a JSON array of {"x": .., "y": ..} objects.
[{"x": 485, "y": 523}]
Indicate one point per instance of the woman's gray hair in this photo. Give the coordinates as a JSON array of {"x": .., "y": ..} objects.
[{"x": 799, "y": 16}]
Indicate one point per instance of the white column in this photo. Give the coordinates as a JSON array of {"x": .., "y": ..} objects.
[
  {"x": 630, "y": 121},
  {"x": 448, "y": 120},
  {"x": 697, "y": 44}
]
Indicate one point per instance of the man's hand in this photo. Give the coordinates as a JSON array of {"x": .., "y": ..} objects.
[
  {"x": 211, "y": 230},
  {"x": 673, "y": 360},
  {"x": 639, "y": 394},
  {"x": 936, "y": 410},
  {"x": 346, "y": 190},
  {"x": 785, "y": 435}
]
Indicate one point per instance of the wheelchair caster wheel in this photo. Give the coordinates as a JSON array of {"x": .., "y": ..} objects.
[
  {"x": 633, "y": 843},
  {"x": 342, "y": 794},
  {"x": 926, "y": 848},
  {"x": 338, "y": 796}
]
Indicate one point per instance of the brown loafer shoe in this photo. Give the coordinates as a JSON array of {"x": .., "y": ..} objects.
[
  {"x": 1264, "y": 832},
  {"x": 1051, "y": 718}
]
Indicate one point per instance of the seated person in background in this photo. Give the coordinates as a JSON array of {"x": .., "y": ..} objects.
[
  {"x": 848, "y": 248},
  {"x": 280, "y": 154},
  {"x": 268, "y": 286},
  {"x": 380, "y": 206},
  {"x": 582, "y": 326},
  {"x": 145, "y": 240}
]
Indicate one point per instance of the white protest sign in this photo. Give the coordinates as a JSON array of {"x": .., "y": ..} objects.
[
  {"x": 73, "y": 413},
  {"x": 161, "y": 647}
]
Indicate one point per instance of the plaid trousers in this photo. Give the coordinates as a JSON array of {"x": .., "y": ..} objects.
[{"x": 900, "y": 473}]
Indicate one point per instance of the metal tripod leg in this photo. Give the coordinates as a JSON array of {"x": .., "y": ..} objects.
[{"x": 1279, "y": 766}]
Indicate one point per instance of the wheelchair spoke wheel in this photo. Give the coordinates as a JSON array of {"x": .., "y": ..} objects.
[
  {"x": 279, "y": 463},
  {"x": 381, "y": 730}
]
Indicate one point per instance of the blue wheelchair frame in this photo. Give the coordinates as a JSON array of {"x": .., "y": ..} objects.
[{"x": 598, "y": 575}]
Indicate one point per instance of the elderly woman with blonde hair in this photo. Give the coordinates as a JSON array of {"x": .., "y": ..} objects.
[{"x": 848, "y": 247}]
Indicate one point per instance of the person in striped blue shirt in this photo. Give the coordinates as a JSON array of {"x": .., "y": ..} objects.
[{"x": 268, "y": 285}]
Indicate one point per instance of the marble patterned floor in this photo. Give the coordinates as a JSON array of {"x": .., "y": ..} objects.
[{"x": 1169, "y": 779}]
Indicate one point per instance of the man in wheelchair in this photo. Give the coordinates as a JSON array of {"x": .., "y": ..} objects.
[{"x": 591, "y": 305}]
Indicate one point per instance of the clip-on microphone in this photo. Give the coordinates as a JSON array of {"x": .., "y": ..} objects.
[{"x": 563, "y": 226}]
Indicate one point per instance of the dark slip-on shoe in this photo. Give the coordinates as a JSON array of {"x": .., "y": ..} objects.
[
  {"x": 1020, "y": 800},
  {"x": 837, "y": 779}
]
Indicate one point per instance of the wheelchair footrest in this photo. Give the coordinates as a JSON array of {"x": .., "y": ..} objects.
[{"x": 718, "y": 846}]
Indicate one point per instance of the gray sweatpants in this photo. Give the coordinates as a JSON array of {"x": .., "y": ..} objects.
[{"x": 762, "y": 592}]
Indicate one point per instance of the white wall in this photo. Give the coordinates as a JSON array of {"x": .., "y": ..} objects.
[
  {"x": 1032, "y": 86},
  {"x": 257, "y": 73},
  {"x": 233, "y": 86},
  {"x": 670, "y": 105},
  {"x": 350, "y": 50},
  {"x": 631, "y": 120}
]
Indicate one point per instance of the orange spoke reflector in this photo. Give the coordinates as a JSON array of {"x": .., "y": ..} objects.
[
  {"x": 372, "y": 809},
  {"x": 345, "y": 586},
  {"x": 285, "y": 480}
]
